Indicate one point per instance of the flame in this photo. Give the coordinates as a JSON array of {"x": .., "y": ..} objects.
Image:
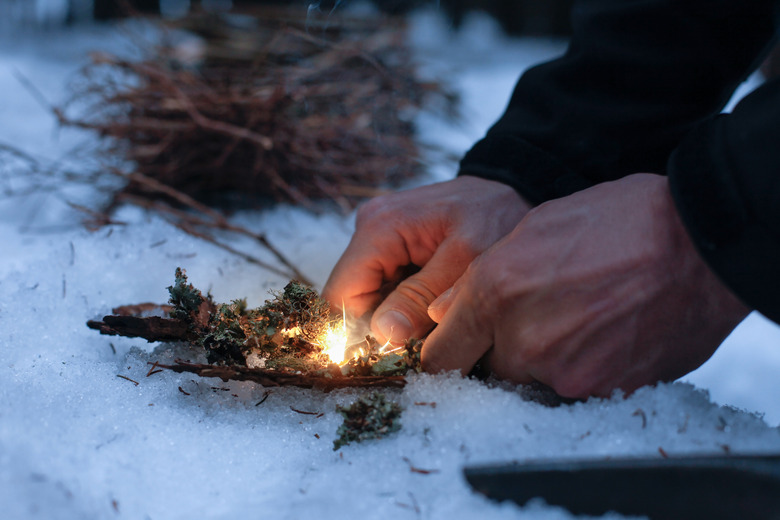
[{"x": 334, "y": 340}]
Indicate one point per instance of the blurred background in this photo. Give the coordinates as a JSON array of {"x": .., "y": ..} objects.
[
  {"x": 516, "y": 17},
  {"x": 519, "y": 17}
]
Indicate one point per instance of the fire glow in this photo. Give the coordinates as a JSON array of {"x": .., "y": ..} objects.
[{"x": 334, "y": 342}]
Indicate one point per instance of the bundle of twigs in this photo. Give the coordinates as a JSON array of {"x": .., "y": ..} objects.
[
  {"x": 166, "y": 329},
  {"x": 274, "y": 107},
  {"x": 198, "y": 329}
]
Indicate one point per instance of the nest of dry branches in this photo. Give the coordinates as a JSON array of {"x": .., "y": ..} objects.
[
  {"x": 282, "y": 343},
  {"x": 276, "y": 107}
]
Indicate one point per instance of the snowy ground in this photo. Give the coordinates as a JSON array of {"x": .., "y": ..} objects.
[{"x": 78, "y": 442}]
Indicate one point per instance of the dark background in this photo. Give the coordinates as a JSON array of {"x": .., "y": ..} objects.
[{"x": 519, "y": 17}]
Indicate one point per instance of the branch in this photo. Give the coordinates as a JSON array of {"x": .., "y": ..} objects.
[{"x": 280, "y": 378}]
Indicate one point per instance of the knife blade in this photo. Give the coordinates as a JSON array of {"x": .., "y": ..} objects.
[{"x": 691, "y": 487}]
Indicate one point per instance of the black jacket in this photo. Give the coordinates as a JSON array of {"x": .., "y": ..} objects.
[{"x": 640, "y": 89}]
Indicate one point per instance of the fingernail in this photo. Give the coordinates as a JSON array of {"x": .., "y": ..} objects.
[
  {"x": 394, "y": 326},
  {"x": 441, "y": 300}
]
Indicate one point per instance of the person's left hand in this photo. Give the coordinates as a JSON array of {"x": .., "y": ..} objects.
[{"x": 599, "y": 290}]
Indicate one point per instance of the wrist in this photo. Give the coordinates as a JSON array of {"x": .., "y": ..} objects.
[{"x": 714, "y": 293}]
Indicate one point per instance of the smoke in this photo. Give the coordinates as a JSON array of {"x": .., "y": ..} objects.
[{"x": 315, "y": 10}]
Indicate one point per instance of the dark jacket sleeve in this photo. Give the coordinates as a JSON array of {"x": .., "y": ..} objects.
[
  {"x": 725, "y": 179},
  {"x": 642, "y": 79}
]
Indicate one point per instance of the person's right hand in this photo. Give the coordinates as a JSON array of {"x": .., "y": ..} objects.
[{"x": 440, "y": 229}]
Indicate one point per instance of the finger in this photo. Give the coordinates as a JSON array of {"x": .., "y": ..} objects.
[
  {"x": 359, "y": 275},
  {"x": 461, "y": 338},
  {"x": 404, "y": 313},
  {"x": 438, "y": 308},
  {"x": 493, "y": 362}
]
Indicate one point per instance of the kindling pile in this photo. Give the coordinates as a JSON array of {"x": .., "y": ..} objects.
[
  {"x": 276, "y": 106},
  {"x": 292, "y": 340}
]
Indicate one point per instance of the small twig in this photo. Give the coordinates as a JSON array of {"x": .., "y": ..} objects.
[
  {"x": 38, "y": 95},
  {"x": 279, "y": 378},
  {"x": 414, "y": 507},
  {"x": 131, "y": 380},
  {"x": 641, "y": 413},
  {"x": 230, "y": 249},
  {"x": 305, "y": 412},
  {"x": 154, "y": 370},
  {"x": 187, "y": 222},
  {"x": 203, "y": 121},
  {"x": 266, "y": 394},
  {"x": 415, "y": 469},
  {"x": 182, "y": 391},
  {"x": 98, "y": 219},
  {"x": 19, "y": 154}
]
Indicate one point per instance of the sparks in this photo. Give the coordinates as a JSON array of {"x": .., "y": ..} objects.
[{"x": 334, "y": 340}]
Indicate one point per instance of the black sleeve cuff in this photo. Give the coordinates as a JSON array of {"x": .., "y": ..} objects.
[
  {"x": 743, "y": 251},
  {"x": 536, "y": 175}
]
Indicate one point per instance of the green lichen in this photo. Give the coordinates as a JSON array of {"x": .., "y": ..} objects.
[
  {"x": 299, "y": 306},
  {"x": 373, "y": 362},
  {"x": 411, "y": 354},
  {"x": 283, "y": 331},
  {"x": 370, "y": 417},
  {"x": 185, "y": 298},
  {"x": 282, "y": 334},
  {"x": 226, "y": 340}
]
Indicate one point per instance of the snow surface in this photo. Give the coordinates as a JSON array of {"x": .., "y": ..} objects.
[{"x": 79, "y": 442}]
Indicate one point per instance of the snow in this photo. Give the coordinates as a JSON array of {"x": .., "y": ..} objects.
[{"x": 79, "y": 442}]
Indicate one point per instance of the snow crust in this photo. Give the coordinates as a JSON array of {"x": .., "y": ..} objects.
[{"x": 79, "y": 442}]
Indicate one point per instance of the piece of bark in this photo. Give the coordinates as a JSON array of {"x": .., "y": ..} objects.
[
  {"x": 138, "y": 309},
  {"x": 151, "y": 328},
  {"x": 281, "y": 378}
]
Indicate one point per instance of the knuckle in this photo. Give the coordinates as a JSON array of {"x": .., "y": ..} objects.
[
  {"x": 366, "y": 212},
  {"x": 377, "y": 209},
  {"x": 480, "y": 285},
  {"x": 491, "y": 283},
  {"x": 417, "y": 291},
  {"x": 466, "y": 247}
]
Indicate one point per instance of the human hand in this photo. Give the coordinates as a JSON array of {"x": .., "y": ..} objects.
[
  {"x": 439, "y": 228},
  {"x": 599, "y": 290}
]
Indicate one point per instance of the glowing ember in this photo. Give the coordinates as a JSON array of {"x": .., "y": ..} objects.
[
  {"x": 291, "y": 333},
  {"x": 334, "y": 342}
]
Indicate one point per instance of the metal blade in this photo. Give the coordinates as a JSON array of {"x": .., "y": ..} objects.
[{"x": 686, "y": 487}]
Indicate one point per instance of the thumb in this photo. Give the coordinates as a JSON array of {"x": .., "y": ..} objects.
[
  {"x": 438, "y": 308},
  {"x": 404, "y": 313}
]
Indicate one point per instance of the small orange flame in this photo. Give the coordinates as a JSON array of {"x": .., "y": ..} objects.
[{"x": 334, "y": 340}]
